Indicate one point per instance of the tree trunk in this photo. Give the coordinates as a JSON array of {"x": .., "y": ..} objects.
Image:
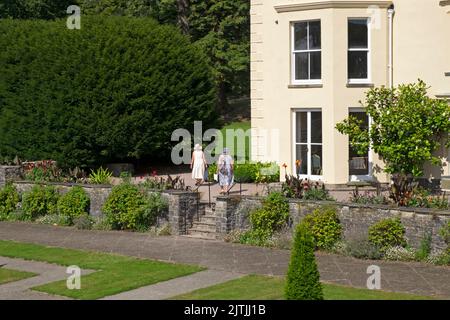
[{"x": 183, "y": 14}]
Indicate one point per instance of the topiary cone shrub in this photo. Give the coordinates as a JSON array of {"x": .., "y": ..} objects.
[{"x": 303, "y": 278}]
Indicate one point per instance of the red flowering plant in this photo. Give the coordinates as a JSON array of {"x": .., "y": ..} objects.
[{"x": 39, "y": 171}]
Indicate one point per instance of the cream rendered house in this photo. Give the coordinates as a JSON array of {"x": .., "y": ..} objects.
[{"x": 312, "y": 62}]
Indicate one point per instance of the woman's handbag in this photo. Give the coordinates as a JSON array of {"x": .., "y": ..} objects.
[{"x": 206, "y": 175}]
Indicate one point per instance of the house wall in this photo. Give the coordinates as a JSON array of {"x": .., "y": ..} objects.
[{"x": 273, "y": 99}]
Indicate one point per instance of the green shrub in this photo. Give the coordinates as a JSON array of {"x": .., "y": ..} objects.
[
  {"x": 54, "y": 220},
  {"x": 319, "y": 194},
  {"x": 303, "y": 278},
  {"x": 128, "y": 208},
  {"x": 39, "y": 201},
  {"x": 101, "y": 223},
  {"x": 425, "y": 247},
  {"x": 400, "y": 254},
  {"x": 83, "y": 222},
  {"x": 252, "y": 172},
  {"x": 325, "y": 226},
  {"x": 273, "y": 215},
  {"x": 363, "y": 249},
  {"x": 445, "y": 232},
  {"x": 74, "y": 204},
  {"x": 9, "y": 198},
  {"x": 100, "y": 176},
  {"x": 387, "y": 233},
  {"x": 113, "y": 91}
]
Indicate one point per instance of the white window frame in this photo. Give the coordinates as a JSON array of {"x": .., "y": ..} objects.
[
  {"x": 293, "y": 52},
  {"x": 368, "y": 50},
  {"x": 308, "y": 143},
  {"x": 369, "y": 176}
]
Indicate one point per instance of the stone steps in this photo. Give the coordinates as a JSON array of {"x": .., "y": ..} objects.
[{"x": 205, "y": 227}]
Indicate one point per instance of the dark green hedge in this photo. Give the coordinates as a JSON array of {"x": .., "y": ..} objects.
[{"x": 114, "y": 90}]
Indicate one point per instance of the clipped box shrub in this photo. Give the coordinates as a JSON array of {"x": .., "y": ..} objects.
[
  {"x": 129, "y": 208},
  {"x": 325, "y": 226},
  {"x": 39, "y": 201},
  {"x": 74, "y": 204},
  {"x": 387, "y": 233},
  {"x": 9, "y": 198},
  {"x": 303, "y": 278}
]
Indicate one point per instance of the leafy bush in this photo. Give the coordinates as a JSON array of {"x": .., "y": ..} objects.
[
  {"x": 54, "y": 220},
  {"x": 161, "y": 183},
  {"x": 9, "y": 198},
  {"x": 83, "y": 222},
  {"x": 387, "y": 233},
  {"x": 398, "y": 253},
  {"x": 425, "y": 247},
  {"x": 42, "y": 171},
  {"x": 303, "y": 278},
  {"x": 325, "y": 226},
  {"x": 297, "y": 188},
  {"x": 252, "y": 172},
  {"x": 100, "y": 176},
  {"x": 39, "y": 201},
  {"x": 422, "y": 198},
  {"x": 445, "y": 233},
  {"x": 363, "y": 249},
  {"x": 128, "y": 208},
  {"x": 273, "y": 215},
  {"x": 74, "y": 204},
  {"x": 440, "y": 258},
  {"x": 113, "y": 91},
  {"x": 368, "y": 198},
  {"x": 101, "y": 223}
]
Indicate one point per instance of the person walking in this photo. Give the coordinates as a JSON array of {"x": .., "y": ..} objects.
[
  {"x": 198, "y": 165},
  {"x": 225, "y": 168}
]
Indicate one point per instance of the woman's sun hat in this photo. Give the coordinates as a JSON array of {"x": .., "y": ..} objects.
[
  {"x": 226, "y": 151},
  {"x": 197, "y": 147}
]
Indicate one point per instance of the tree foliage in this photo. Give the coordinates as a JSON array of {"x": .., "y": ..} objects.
[
  {"x": 407, "y": 127},
  {"x": 303, "y": 278},
  {"x": 34, "y": 9},
  {"x": 114, "y": 90}
]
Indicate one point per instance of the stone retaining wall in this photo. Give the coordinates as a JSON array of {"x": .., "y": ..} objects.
[
  {"x": 9, "y": 173},
  {"x": 183, "y": 206},
  {"x": 232, "y": 213}
]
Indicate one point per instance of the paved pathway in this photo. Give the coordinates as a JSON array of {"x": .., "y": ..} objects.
[
  {"x": 416, "y": 278},
  {"x": 178, "y": 286},
  {"x": 20, "y": 290}
]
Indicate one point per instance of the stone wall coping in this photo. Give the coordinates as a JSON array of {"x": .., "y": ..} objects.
[
  {"x": 7, "y": 167},
  {"x": 352, "y": 205}
]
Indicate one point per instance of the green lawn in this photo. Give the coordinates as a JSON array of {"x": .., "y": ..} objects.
[
  {"x": 244, "y": 125},
  {"x": 114, "y": 273},
  {"x": 7, "y": 275},
  {"x": 256, "y": 287}
]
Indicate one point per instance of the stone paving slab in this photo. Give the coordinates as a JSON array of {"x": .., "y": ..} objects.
[
  {"x": 169, "y": 289},
  {"x": 216, "y": 255},
  {"x": 20, "y": 290}
]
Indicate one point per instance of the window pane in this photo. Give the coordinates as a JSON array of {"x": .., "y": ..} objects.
[
  {"x": 316, "y": 127},
  {"x": 315, "y": 65},
  {"x": 314, "y": 35},
  {"x": 301, "y": 66},
  {"x": 357, "y": 64},
  {"x": 316, "y": 160},
  {"x": 300, "y": 36},
  {"x": 358, "y": 34},
  {"x": 302, "y": 127},
  {"x": 359, "y": 164},
  {"x": 302, "y": 155}
]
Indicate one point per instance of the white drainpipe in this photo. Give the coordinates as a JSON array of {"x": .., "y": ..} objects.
[{"x": 391, "y": 13}]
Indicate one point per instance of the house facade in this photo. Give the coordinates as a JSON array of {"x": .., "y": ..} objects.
[{"x": 312, "y": 62}]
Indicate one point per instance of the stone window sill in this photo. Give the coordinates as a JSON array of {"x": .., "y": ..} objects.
[
  {"x": 360, "y": 85},
  {"x": 304, "y": 86}
]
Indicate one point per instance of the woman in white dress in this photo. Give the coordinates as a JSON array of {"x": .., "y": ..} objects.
[{"x": 198, "y": 165}]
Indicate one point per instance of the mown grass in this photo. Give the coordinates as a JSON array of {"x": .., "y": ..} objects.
[
  {"x": 114, "y": 273},
  {"x": 255, "y": 287},
  {"x": 8, "y": 275}
]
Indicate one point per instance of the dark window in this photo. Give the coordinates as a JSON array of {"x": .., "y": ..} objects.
[
  {"x": 358, "y": 49},
  {"x": 307, "y": 51}
]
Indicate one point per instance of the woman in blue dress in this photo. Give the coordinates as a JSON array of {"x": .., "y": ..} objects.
[{"x": 225, "y": 168}]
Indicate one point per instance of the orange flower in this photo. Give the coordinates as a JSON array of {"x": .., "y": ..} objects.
[
  {"x": 284, "y": 165},
  {"x": 298, "y": 163}
]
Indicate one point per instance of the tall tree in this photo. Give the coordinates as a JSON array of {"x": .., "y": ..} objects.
[
  {"x": 183, "y": 15},
  {"x": 34, "y": 9},
  {"x": 222, "y": 29}
]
